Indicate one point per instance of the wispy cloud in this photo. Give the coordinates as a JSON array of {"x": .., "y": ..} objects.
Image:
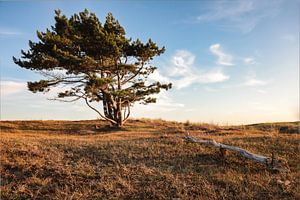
[
  {"x": 255, "y": 82},
  {"x": 239, "y": 15},
  {"x": 19, "y": 103},
  {"x": 251, "y": 80},
  {"x": 12, "y": 87},
  {"x": 227, "y": 9},
  {"x": 9, "y": 32},
  {"x": 213, "y": 76},
  {"x": 223, "y": 58},
  {"x": 249, "y": 61}
]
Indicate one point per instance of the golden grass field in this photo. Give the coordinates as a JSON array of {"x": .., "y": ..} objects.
[{"x": 148, "y": 159}]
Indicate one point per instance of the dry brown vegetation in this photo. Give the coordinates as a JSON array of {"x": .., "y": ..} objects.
[{"x": 148, "y": 159}]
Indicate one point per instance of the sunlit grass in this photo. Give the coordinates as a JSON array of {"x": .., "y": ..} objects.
[{"x": 148, "y": 159}]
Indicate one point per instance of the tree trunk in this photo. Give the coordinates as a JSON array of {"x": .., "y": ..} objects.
[
  {"x": 120, "y": 124},
  {"x": 119, "y": 115},
  {"x": 107, "y": 107},
  {"x": 119, "y": 104}
]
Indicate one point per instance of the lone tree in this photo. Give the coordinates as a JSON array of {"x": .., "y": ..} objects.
[{"x": 95, "y": 63}]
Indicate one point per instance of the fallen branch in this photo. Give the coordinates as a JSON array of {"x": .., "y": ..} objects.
[{"x": 270, "y": 162}]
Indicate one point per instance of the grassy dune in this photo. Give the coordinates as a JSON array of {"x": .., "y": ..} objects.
[{"x": 148, "y": 159}]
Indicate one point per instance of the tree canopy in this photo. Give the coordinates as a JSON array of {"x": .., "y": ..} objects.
[{"x": 95, "y": 62}]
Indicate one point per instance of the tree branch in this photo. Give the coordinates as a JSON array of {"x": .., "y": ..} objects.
[
  {"x": 108, "y": 119},
  {"x": 61, "y": 100},
  {"x": 134, "y": 75},
  {"x": 268, "y": 161},
  {"x": 125, "y": 118}
]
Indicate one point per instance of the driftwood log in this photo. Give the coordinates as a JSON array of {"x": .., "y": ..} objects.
[{"x": 271, "y": 162}]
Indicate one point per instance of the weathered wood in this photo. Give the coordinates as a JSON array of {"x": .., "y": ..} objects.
[{"x": 271, "y": 162}]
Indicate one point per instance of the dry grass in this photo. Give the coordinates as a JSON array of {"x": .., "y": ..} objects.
[{"x": 146, "y": 160}]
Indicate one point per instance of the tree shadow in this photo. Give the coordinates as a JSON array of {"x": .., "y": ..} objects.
[{"x": 109, "y": 129}]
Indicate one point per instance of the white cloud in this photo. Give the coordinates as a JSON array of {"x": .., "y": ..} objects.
[
  {"x": 184, "y": 73},
  {"x": 213, "y": 76},
  {"x": 239, "y": 15},
  {"x": 249, "y": 61},
  {"x": 183, "y": 60},
  {"x": 12, "y": 87},
  {"x": 223, "y": 58},
  {"x": 253, "y": 81},
  {"x": 185, "y": 81},
  {"x": 157, "y": 76}
]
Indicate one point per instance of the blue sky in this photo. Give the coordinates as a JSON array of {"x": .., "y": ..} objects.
[{"x": 232, "y": 62}]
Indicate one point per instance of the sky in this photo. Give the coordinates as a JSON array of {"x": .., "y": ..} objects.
[{"x": 230, "y": 62}]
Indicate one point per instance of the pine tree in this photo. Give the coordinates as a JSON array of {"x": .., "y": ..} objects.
[{"x": 97, "y": 62}]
